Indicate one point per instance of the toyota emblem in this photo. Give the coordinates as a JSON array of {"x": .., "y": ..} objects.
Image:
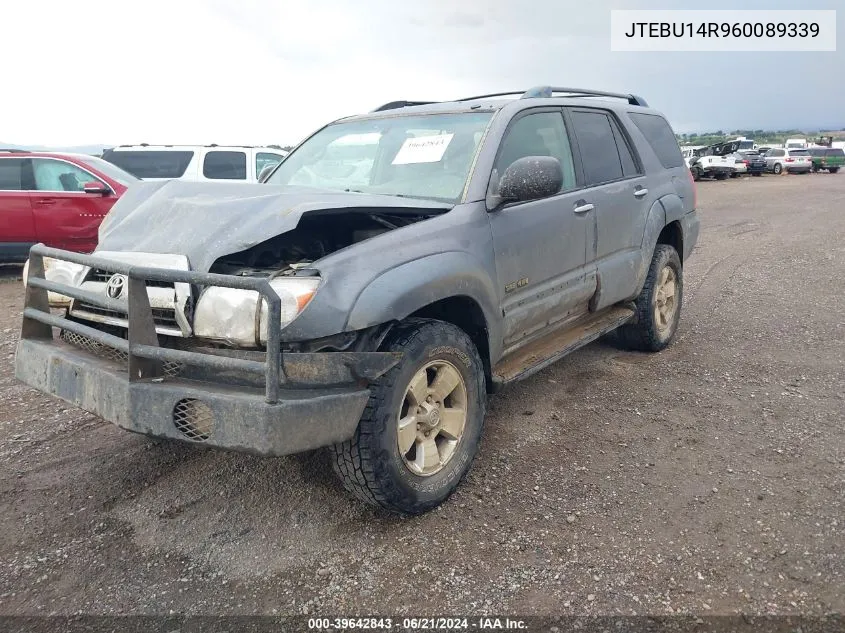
[{"x": 115, "y": 286}]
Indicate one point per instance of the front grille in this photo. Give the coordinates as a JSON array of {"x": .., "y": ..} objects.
[
  {"x": 92, "y": 346},
  {"x": 162, "y": 317},
  {"x": 193, "y": 419},
  {"x": 103, "y": 276},
  {"x": 171, "y": 369}
]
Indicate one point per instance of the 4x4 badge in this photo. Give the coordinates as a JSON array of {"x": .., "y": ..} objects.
[{"x": 115, "y": 286}]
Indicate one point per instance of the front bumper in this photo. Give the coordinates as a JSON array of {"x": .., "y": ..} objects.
[
  {"x": 266, "y": 402},
  {"x": 234, "y": 418}
]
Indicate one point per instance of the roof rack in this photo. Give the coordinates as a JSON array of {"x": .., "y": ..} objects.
[
  {"x": 532, "y": 93},
  {"x": 393, "y": 105},
  {"x": 14, "y": 150}
]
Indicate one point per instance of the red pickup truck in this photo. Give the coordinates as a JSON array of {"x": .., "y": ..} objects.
[{"x": 57, "y": 199}]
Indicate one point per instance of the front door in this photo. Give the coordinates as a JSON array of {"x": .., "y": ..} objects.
[
  {"x": 541, "y": 245},
  {"x": 65, "y": 216},
  {"x": 17, "y": 229}
]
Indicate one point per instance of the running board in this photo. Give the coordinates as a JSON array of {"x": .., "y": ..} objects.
[{"x": 544, "y": 351}]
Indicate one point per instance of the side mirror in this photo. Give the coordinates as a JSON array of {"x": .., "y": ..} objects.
[
  {"x": 531, "y": 178},
  {"x": 265, "y": 172},
  {"x": 96, "y": 188}
]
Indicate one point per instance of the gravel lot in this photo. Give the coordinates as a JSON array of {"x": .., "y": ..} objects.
[{"x": 709, "y": 478}]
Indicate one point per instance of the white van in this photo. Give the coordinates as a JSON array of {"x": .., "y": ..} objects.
[
  {"x": 795, "y": 143},
  {"x": 194, "y": 162}
]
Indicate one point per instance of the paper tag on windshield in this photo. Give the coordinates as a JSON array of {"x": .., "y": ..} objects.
[{"x": 423, "y": 149}]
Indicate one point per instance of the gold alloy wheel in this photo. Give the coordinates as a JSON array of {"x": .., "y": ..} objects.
[
  {"x": 665, "y": 299},
  {"x": 432, "y": 418}
]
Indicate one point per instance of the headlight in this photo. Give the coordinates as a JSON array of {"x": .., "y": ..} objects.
[
  {"x": 61, "y": 272},
  {"x": 231, "y": 315}
]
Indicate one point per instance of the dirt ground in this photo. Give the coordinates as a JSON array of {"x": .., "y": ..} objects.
[{"x": 709, "y": 478}]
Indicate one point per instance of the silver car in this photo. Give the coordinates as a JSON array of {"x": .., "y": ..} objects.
[{"x": 793, "y": 161}]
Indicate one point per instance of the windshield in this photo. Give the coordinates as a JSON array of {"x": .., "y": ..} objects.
[
  {"x": 428, "y": 156},
  {"x": 112, "y": 171}
]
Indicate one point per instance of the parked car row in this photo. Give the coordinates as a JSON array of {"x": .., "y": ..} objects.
[
  {"x": 60, "y": 199},
  {"x": 726, "y": 160}
]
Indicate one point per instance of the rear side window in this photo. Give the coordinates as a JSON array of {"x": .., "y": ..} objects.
[
  {"x": 151, "y": 164},
  {"x": 629, "y": 164},
  {"x": 10, "y": 174},
  {"x": 599, "y": 154},
  {"x": 661, "y": 138},
  {"x": 223, "y": 165},
  {"x": 835, "y": 152}
]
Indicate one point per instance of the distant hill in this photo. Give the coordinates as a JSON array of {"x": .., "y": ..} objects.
[{"x": 75, "y": 149}]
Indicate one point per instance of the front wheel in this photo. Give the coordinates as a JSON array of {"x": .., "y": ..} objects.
[
  {"x": 422, "y": 425},
  {"x": 658, "y": 306}
]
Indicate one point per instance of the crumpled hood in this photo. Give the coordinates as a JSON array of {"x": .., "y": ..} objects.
[{"x": 205, "y": 221}]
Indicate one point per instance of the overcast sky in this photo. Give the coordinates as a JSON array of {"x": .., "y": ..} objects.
[{"x": 271, "y": 71}]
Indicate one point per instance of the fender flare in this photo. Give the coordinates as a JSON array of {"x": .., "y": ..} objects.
[{"x": 399, "y": 292}]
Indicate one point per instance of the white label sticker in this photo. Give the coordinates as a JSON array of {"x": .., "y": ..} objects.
[{"x": 423, "y": 149}]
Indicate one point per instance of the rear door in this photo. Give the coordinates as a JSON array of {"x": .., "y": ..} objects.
[
  {"x": 618, "y": 188},
  {"x": 17, "y": 227},
  {"x": 65, "y": 216}
]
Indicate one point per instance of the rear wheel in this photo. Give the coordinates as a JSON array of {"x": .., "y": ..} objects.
[
  {"x": 422, "y": 425},
  {"x": 778, "y": 168},
  {"x": 658, "y": 306},
  {"x": 833, "y": 170}
]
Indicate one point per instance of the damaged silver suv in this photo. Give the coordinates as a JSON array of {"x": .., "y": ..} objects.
[{"x": 395, "y": 269}]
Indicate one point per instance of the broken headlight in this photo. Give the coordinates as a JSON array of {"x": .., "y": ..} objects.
[
  {"x": 233, "y": 316},
  {"x": 62, "y": 272}
]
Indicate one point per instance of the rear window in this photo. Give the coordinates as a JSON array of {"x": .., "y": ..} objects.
[
  {"x": 10, "y": 174},
  {"x": 222, "y": 165},
  {"x": 151, "y": 163},
  {"x": 659, "y": 135},
  {"x": 798, "y": 152}
]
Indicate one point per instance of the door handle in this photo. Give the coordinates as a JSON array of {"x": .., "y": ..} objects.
[
  {"x": 639, "y": 193},
  {"x": 45, "y": 201},
  {"x": 583, "y": 208}
]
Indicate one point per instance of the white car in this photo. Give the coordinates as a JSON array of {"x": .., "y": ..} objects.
[
  {"x": 793, "y": 161},
  {"x": 710, "y": 166},
  {"x": 195, "y": 162}
]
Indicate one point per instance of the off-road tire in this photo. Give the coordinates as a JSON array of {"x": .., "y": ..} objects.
[
  {"x": 644, "y": 334},
  {"x": 696, "y": 173},
  {"x": 777, "y": 169},
  {"x": 370, "y": 464},
  {"x": 722, "y": 176},
  {"x": 833, "y": 170}
]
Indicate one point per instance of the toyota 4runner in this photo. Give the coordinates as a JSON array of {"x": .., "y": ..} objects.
[{"x": 395, "y": 269}]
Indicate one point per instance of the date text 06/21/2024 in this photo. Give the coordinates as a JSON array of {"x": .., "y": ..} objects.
[{"x": 417, "y": 624}]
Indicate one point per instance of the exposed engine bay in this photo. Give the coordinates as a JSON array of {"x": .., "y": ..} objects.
[{"x": 317, "y": 235}]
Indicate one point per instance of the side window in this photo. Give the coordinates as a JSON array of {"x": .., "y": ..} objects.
[
  {"x": 660, "y": 137},
  {"x": 778, "y": 153},
  {"x": 265, "y": 159},
  {"x": 629, "y": 165},
  {"x": 541, "y": 134},
  {"x": 11, "y": 174},
  {"x": 597, "y": 145},
  {"x": 57, "y": 175},
  {"x": 223, "y": 165}
]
